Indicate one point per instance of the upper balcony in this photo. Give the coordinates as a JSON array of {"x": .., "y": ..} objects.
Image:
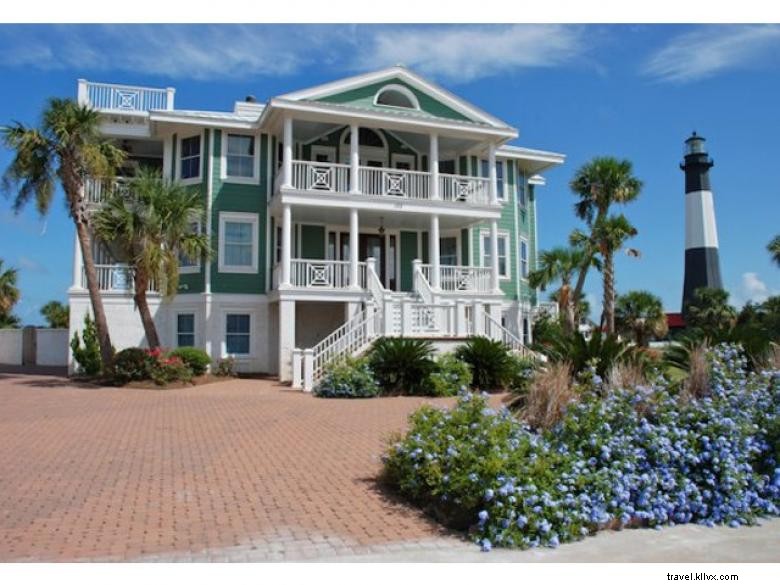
[{"x": 111, "y": 98}]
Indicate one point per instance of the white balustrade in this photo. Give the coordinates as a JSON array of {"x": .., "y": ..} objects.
[
  {"x": 125, "y": 98},
  {"x": 473, "y": 190},
  {"x": 324, "y": 273},
  {"x": 395, "y": 183},
  {"x": 460, "y": 278},
  {"x": 97, "y": 190},
  {"x": 496, "y": 331},
  {"x": 114, "y": 278},
  {"x": 316, "y": 176}
]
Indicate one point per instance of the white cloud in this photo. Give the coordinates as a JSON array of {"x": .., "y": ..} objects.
[
  {"x": 469, "y": 52},
  {"x": 451, "y": 52},
  {"x": 709, "y": 50},
  {"x": 752, "y": 289}
]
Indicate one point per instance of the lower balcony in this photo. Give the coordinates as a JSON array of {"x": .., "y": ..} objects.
[
  {"x": 459, "y": 279},
  {"x": 116, "y": 278},
  {"x": 308, "y": 274}
]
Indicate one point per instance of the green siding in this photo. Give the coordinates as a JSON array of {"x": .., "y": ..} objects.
[
  {"x": 313, "y": 242},
  {"x": 364, "y": 97},
  {"x": 408, "y": 254},
  {"x": 195, "y": 283},
  {"x": 239, "y": 198},
  {"x": 394, "y": 146}
]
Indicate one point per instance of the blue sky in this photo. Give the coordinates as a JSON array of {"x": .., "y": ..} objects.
[{"x": 633, "y": 91}]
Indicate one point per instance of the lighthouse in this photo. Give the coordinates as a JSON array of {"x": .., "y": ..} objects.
[{"x": 702, "y": 264}]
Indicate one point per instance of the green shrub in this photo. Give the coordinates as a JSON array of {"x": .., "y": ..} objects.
[
  {"x": 402, "y": 365},
  {"x": 601, "y": 351},
  {"x": 194, "y": 358},
  {"x": 131, "y": 364},
  {"x": 490, "y": 362},
  {"x": 87, "y": 356},
  {"x": 165, "y": 370},
  {"x": 348, "y": 378},
  {"x": 450, "y": 376},
  {"x": 523, "y": 372},
  {"x": 226, "y": 367}
]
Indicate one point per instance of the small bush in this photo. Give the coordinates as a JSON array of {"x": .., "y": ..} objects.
[
  {"x": 132, "y": 364},
  {"x": 226, "y": 367},
  {"x": 194, "y": 358},
  {"x": 450, "y": 376},
  {"x": 348, "y": 378},
  {"x": 523, "y": 372},
  {"x": 402, "y": 365},
  {"x": 490, "y": 362},
  {"x": 165, "y": 369},
  {"x": 87, "y": 356}
]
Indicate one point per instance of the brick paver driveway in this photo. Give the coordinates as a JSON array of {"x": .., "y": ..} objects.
[{"x": 240, "y": 470}]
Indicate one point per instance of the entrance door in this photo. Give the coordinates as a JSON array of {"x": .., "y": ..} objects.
[{"x": 373, "y": 246}]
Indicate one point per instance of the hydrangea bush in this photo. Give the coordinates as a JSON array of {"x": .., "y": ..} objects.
[
  {"x": 348, "y": 378},
  {"x": 633, "y": 457}
]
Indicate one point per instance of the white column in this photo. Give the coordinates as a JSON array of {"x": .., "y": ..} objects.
[
  {"x": 287, "y": 153},
  {"x": 78, "y": 263},
  {"x": 433, "y": 166},
  {"x": 297, "y": 368},
  {"x": 286, "y": 339},
  {"x": 308, "y": 369},
  {"x": 478, "y": 318},
  {"x": 354, "y": 159},
  {"x": 493, "y": 175},
  {"x": 354, "y": 281},
  {"x": 494, "y": 255},
  {"x": 286, "y": 245},
  {"x": 434, "y": 252},
  {"x": 82, "y": 97},
  {"x": 170, "y": 92},
  {"x": 461, "y": 329}
]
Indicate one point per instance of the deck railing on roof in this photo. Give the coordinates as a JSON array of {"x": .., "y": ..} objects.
[{"x": 111, "y": 97}]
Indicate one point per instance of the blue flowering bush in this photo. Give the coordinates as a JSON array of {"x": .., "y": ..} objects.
[
  {"x": 643, "y": 456},
  {"x": 449, "y": 376},
  {"x": 348, "y": 378}
]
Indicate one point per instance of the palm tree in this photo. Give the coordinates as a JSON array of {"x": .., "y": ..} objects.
[
  {"x": 56, "y": 314},
  {"x": 67, "y": 147},
  {"x": 150, "y": 227},
  {"x": 640, "y": 314},
  {"x": 710, "y": 311},
  {"x": 599, "y": 183},
  {"x": 561, "y": 264},
  {"x": 9, "y": 293},
  {"x": 610, "y": 234},
  {"x": 774, "y": 249}
]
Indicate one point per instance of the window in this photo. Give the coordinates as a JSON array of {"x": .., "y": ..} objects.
[
  {"x": 448, "y": 251},
  {"x": 397, "y": 96},
  {"x": 238, "y": 242},
  {"x": 521, "y": 200},
  {"x": 185, "y": 330},
  {"x": 187, "y": 264},
  {"x": 500, "y": 179},
  {"x": 190, "y": 158},
  {"x": 523, "y": 258},
  {"x": 240, "y": 156},
  {"x": 237, "y": 334},
  {"x": 503, "y": 248}
]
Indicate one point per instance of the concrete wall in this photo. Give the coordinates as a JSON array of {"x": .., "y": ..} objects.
[
  {"x": 314, "y": 321},
  {"x": 52, "y": 347},
  {"x": 11, "y": 347}
]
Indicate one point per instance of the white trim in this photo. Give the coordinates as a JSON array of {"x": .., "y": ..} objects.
[
  {"x": 238, "y": 310},
  {"x": 404, "y": 91},
  {"x": 268, "y": 195},
  {"x": 502, "y": 235},
  {"x": 209, "y": 206},
  {"x": 523, "y": 240},
  {"x": 234, "y": 216},
  {"x": 255, "y": 178},
  {"x": 175, "y": 325},
  {"x": 191, "y": 180}
]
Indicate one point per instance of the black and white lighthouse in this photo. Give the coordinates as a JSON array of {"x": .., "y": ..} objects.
[{"x": 702, "y": 264}]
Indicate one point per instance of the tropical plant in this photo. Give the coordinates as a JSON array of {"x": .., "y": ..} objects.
[
  {"x": 710, "y": 312},
  {"x": 348, "y": 378},
  {"x": 9, "y": 296},
  {"x": 774, "y": 249},
  {"x": 88, "y": 356},
  {"x": 149, "y": 227},
  {"x": 581, "y": 305},
  {"x": 490, "y": 362},
  {"x": 561, "y": 264},
  {"x": 599, "y": 184},
  {"x": 450, "y": 376},
  {"x": 194, "y": 358},
  {"x": 66, "y": 148},
  {"x": 402, "y": 365},
  {"x": 640, "y": 315},
  {"x": 56, "y": 314}
]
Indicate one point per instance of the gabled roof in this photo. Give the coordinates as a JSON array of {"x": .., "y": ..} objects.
[{"x": 337, "y": 91}]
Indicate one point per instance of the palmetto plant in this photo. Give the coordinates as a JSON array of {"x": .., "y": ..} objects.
[
  {"x": 599, "y": 184},
  {"x": 640, "y": 315},
  {"x": 710, "y": 311},
  {"x": 56, "y": 314},
  {"x": 492, "y": 366},
  {"x": 774, "y": 249},
  {"x": 402, "y": 365},
  {"x": 9, "y": 293},
  {"x": 150, "y": 226},
  {"x": 67, "y": 148}
]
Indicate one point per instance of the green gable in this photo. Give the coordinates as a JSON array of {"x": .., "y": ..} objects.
[{"x": 363, "y": 97}]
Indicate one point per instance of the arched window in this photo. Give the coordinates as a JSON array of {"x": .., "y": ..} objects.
[
  {"x": 396, "y": 96},
  {"x": 366, "y": 137}
]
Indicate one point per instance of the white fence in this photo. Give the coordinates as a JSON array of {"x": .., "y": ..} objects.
[
  {"x": 11, "y": 343},
  {"x": 124, "y": 98},
  {"x": 45, "y": 347},
  {"x": 460, "y": 278}
]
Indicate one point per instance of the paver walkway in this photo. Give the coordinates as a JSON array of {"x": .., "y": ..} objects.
[{"x": 243, "y": 470}]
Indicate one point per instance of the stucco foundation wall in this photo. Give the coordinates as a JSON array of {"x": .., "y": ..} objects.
[
  {"x": 316, "y": 320},
  {"x": 52, "y": 347},
  {"x": 11, "y": 347}
]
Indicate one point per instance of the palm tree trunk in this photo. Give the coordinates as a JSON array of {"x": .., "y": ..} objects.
[
  {"x": 609, "y": 292},
  {"x": 565, "y": 307},
  {"x": 141, "y": 283},
  {"x": 101, "y": 325},
  {"x": 577, "y": 294}
]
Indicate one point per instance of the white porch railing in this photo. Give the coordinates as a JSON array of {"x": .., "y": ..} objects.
[
  {"x": 474, "y": 190},
  {"x": 496, "y": 331},
  {"x": 316, "y": 176},
  {"x": 96, "y": 190},
  {"x": 114, "y": 278},
  {"x": 124, "y": 98},
  {"x": 316, "y": 274},
  {"x": 395, "y": 182},
  {"x": 460, "y": 278}
]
